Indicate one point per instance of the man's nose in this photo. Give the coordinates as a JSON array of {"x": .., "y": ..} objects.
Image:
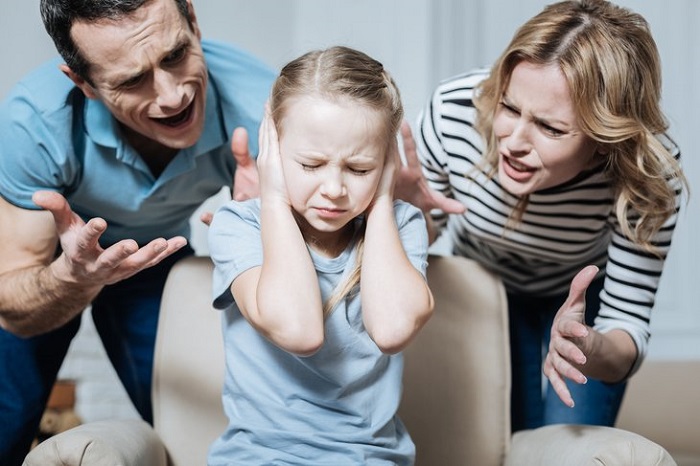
[{"x": 169, "y": 93}]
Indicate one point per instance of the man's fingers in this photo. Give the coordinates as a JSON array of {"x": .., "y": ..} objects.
[
  {"x": 57, "y": 205},
  {"x": 116, "y": 254},
  {"x": 89, "y": 235},
  {"x": 239, "y": 147},
  {"x": 206, "y": 218},
  {"x": 157, "y": 250},
  {"x": 126, "y": 258}
]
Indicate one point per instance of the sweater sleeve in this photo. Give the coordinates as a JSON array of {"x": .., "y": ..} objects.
[{"x": 632, "y": 277}]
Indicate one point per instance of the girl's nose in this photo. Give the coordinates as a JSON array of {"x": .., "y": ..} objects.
[{"x": 333, "y": 186}]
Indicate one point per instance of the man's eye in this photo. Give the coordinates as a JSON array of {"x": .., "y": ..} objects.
[
  {"x": 132, "y": 82},
  {"x": 175, "y": 56}
]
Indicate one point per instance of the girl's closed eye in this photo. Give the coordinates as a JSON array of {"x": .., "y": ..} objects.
[
  {"x": 309, "y": 166},
  {"x": 357, "y": 170}
]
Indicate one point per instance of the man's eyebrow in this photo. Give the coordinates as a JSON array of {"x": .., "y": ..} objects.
[
  {"x": 182, "y": 42},
  {"x": 119, "y": 79}
]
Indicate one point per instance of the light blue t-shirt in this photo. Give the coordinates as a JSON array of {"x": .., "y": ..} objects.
[
  {"x": 336, "y": 407},
  {"x": 53, "y": 138}
]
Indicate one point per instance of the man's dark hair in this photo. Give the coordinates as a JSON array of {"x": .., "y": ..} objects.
[{"x": 59, "y": 16}]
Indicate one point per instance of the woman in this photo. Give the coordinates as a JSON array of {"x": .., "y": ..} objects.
[{"x": 569, "y": 190}]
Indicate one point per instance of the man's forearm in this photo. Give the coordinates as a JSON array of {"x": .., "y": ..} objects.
[{"x": 33, "y": 301}]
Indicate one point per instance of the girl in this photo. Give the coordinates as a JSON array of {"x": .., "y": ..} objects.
[{"x": 322, "y": 278}]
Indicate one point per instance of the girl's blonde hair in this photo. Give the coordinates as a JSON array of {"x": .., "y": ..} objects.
[
  {"x": 335, "y": 74},
  {"x": 612, "y": 67}
]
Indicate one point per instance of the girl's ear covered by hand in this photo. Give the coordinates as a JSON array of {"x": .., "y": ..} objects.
[
  {"x": 272, "y": 183},
  {"x": 390, "y": 170}
]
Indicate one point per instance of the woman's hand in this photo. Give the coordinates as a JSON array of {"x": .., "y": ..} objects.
[
  {"x": 411, "y": 185},
  {"x": 571, "y": 340}
]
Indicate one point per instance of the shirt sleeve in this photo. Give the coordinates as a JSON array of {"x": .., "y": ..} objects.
[
  {"x": 35, "y": 153},
  {"x": 413, "y": 234},
  {"x": 632, "y": 277},
  {"x": 446, "y": 132},
  {"x": 235, "y": 245}
]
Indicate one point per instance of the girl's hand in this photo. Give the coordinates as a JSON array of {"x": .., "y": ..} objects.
[
  {"x": 390, "y": 171},
  {"x": 272, "y": 183}
]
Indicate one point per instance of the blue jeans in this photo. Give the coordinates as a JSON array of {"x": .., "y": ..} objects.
[
  {"x": 534, "y": 403},
  {"x": 126, "y": 318}
]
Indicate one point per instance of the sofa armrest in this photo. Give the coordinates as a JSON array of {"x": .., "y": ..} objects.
[
  {"x": 130, "y": 442},
  {"x": 579, "y": 445},
  {"x": 456, "y": 397}
]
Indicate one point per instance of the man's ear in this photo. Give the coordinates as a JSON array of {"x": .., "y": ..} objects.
[
  {"x": 84, "y": 86},
  {"x": 193, "y": 19}
]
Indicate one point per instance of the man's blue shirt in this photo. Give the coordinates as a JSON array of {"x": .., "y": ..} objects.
[{"x": 54, "y": 138}]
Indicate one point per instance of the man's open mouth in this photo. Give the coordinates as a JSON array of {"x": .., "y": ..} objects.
[{"x": 179, "y": 119}]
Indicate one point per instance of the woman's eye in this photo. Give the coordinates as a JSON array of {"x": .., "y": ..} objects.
[
  {"x": 552, "y": 131},
  {"x": 510, "y": 109}
]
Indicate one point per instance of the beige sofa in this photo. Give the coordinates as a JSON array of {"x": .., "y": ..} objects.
[{"x": 455, "y": 404}]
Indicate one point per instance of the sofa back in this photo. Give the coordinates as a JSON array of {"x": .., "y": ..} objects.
[{"x": 456, "y": 381}]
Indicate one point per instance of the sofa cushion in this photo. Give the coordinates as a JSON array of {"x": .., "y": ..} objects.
[
  {"x": 578, "y": 445},
  {"x": 129, "y": 442}
]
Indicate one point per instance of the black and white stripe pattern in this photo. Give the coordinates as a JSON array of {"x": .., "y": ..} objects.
[{"x": 563, "y": 229}]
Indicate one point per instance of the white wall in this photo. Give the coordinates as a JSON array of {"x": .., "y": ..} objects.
[{"x": 423, "y": 41}]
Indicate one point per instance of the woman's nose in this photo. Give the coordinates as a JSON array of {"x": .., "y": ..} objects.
[{"x": 518, "y": 141}]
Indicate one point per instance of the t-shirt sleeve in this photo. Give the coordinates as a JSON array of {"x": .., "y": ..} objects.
[
  {"x": 33, "y": 153},
  {"x": 235, "y": 246},
  {"x": 413, "y": 233}
]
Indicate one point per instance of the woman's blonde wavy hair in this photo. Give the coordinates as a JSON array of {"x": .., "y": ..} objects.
[
  {"x": 612, "y": 66},
  {"x": 340, "y": 74}
]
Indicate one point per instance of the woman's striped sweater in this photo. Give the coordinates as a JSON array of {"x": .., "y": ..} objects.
[{"x": 562, "y": 230}]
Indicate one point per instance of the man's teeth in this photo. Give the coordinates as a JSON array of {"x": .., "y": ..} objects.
[{"x": 176, "y": 119}]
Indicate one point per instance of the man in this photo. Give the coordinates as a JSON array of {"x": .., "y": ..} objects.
[{"x": 103, "y": 160}]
